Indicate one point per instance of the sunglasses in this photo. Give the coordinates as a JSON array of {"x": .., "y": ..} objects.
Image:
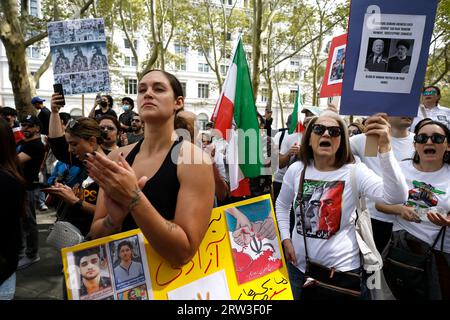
[
  {"x": 429, "y": 93},
  {"x": 320, "y": 129},
  {"x": 135, "y": 120},
  {"x": 108, "y": 128},
  {"x": 435, "y": 138}
]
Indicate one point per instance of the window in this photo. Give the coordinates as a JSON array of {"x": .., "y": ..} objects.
[
  {"x": 202, "y": 120},
  {"x": 202, "y": 54},
  {"x": 34, "y": 8},
  {"x": 295, "y": 63},
  {"x": 228, "y": 36},
  {"x": 264, "y": 94},
  {"x": 203, "y": 90},
  {"x": 130, "y": 61},
  {"x": 180, "y": 65},
  {"x": 203, "y": 67},
  {"x": 183, "y": 86},
  {"x": 292, "y": 96},
  {"x": 224, "y": 69},
  {"x": 34, "y": 52},
  {"x": 180, "y": 49},
  {"x": 130, "y": 86},
  {"x": 126, "y": 43}
]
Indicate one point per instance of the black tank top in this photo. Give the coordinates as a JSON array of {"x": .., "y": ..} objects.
[{"x": 162, "y": 189}]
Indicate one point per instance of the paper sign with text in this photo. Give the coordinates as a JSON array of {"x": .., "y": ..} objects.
[{"x": 386, "y": 56}]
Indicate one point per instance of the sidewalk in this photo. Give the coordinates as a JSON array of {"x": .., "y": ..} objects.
[{"x": 42, "y": 280}]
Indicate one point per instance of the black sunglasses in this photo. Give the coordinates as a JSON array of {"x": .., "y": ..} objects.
[
  {"x": 422, "y": 138},
  {"x": 320, "y": 129}
]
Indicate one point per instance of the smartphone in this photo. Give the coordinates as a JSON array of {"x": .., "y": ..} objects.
[{"x": 58, "y": 88}]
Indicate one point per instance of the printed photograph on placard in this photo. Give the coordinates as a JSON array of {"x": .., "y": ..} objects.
[
  {"x": 127, "y": 262},
  {"x": 253, "y": 240},
  {"x": 400, "y": 54},
  {"x": 91, "y": 274},
  {"x": 337, "y": 65},
  {"x": 137, "y": 293}
]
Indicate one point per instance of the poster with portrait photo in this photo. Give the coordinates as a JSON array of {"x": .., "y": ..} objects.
[
  {"x": 378, "y": 44},
  {"x": 336, "y": 73},
  {"x": 128, "y": 265},
  {"x": 90, "y": 274},
  {"x": 79, "y": 46},
  {"x": 136, "y": 293}
]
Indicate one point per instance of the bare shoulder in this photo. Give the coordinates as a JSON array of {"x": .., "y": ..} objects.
[{"x": 113, "y": 155}]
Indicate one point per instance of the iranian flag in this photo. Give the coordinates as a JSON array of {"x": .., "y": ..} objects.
[
  {"x": 235, "y": 116},
  {"x": 296, "y": 124}
]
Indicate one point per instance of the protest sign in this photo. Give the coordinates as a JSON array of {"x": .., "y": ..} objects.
[
  {"x": 240, "y": 258},
  {"x": 79, "y": 55},
  {"x": 334, "y": 72},
  {"x": 386, "y": 58}
]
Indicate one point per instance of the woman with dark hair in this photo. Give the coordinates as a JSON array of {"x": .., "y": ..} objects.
[
  {"x": 106, "y": 103},
  {"x": 421, "y": 222},
  {"x": 163, "y": 187},
  {"x": 110, "y": 127},
  {"x": 12, "y": 199},
  {"x": 81, "y": 136},
  {"x": 324, "y": 204},
  {"x": 430, "y": 107}
]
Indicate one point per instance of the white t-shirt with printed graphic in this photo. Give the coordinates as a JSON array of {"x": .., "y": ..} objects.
[
  {"x": 330, "y": 209},
  {"x": 403, "y": 148},
  {"x": 427, "y": 191}
]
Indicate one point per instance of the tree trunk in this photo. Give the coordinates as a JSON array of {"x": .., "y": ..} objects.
[{"x": 18, "y": 74}]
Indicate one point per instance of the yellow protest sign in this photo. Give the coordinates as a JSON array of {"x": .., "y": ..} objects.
[{"x": 240, "y": 258}]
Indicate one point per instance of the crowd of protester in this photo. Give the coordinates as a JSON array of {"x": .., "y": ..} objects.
[{"x": 152, "y": 169}]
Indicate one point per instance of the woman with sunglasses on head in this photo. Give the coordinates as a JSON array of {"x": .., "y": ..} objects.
[
  {"x": 419, "y": 220},
  {"x": 430, "y": 107},
  {"x": 325, "y": 209},
  {"x": 80, "y": 137},
  {"x": 162, "y": 186}
]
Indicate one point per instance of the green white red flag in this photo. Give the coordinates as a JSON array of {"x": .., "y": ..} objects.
[
  {"x": 296, "y": 124},
  {"x": 235, "y": 116}
]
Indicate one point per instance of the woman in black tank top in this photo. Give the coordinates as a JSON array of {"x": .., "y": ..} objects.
[{"x": 163, "y": 187}]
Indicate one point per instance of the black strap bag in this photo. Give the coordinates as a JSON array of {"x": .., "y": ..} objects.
[{"x": 406, "y": 270}]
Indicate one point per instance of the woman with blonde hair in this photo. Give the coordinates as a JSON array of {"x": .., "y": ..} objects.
[{"x": 323, "y": 245}]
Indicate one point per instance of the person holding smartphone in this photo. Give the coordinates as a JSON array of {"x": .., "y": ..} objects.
[{"x": 105, "y": 102}]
